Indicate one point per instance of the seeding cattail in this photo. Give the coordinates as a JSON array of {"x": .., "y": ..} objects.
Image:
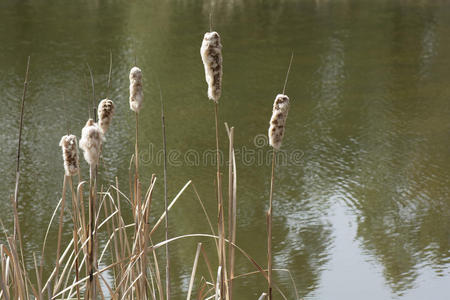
[
  {"x": 278, "y": 120},
  {"x": 211, "y": 52},
  {"x": 91, "y": 142},
  {"x": 105, "y": 114},
  {"x": 69, "y": 146},
  {"x": 136, "y": 92}
]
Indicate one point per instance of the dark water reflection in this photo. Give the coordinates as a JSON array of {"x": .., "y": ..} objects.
[{"x": 365, "y": 212}]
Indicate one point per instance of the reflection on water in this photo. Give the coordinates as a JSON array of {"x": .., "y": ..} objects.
[{"x": 365, "y": 214}]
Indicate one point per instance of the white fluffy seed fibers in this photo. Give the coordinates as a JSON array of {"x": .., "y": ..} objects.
[
  {"x": 91, "y": 142},
  {"x": 278, "y": 120},
  {"x": 69, "y": 147},
  {"x": 211, "y": 52},
  {"x": 136, "y": 92},
  {"x": 105, "y": 113}
]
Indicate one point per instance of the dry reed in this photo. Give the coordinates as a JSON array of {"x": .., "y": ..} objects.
[
  {"x": 211, "y": 53},
  {"x": 276, "y": 132}
]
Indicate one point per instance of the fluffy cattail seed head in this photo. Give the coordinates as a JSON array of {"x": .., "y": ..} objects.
[
  {"x": 278, "y": 120},
  {"x": 105, "y": 113},
  {"x": 91, "y": 142},
  {"x": 136, "y": 92},
  {"x": 69, "y": 146},
  {"x": 211, "y": 52}
]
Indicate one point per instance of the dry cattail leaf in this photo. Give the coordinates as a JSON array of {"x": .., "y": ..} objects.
[
  {"x": 105, "y": 114},
  {"x": 136, "y": 92},
  {"x": 69, "y": 146},
  {"x": 278, "y": 120},
  {"x": 211, "y": 52},
  {"x": 91, "y": 142}
]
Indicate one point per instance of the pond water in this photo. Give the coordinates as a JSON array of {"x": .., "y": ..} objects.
[{"x": 362, "y": 193}]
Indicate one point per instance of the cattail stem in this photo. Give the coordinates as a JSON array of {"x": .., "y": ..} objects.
[
  {"x": 91, "y": 143},
  {"x": 165, "y": 198},
  {"x": 25, "y": 85},
  {"x": 61, "y": 220},
  {"x": 94, "y": 107},
  {"x": 136, "y": 171},
  {"x": 216, "y": 113},
  {"x": 136, "y": 148},
  {"x": 210, "y": 20},
  {"x": 91, "y": 283},
  {"x": 287, "y": 73},
  {"x": 269, "y": 229},
  {"x": 108, "y": 84},
  {"x": 231, "y": 209},
  {"x": 76, "y": 219},
  {"x": 15, "y": 201},
  {"x": 221, "y": 225},
  {"x": 81, "y": 204},
  {"x": 16, "y": 190}
]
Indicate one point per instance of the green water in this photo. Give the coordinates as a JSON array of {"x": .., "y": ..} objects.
[{"x": 362, "y": 196}]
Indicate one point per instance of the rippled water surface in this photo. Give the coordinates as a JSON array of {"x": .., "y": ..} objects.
[{"x": 362, "y": 193}]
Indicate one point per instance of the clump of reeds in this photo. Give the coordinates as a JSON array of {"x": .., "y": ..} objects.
[
  {"x": 136, "y": 91},
  {"x": 278, "y": 120},
  {"x": 69, "y": 146},
  {"x": 105, "y": 113},
  {"x": 211, "y": 52},
  {"x": 134, "y": 264},
  {"x": 91, "y": 142}
]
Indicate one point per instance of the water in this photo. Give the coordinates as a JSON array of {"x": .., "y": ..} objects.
[{"x": 361, "y": 204}]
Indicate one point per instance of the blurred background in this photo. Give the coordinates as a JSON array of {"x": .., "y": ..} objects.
[{"x": 362, "y": 198}]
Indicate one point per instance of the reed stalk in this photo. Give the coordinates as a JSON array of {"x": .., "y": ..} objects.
[
  {"x": 61, "y": 221},
  {"x": 220, "y": 223},
  {"x": 194, "y": 270},
  {"x": 211, "y": 54},
  {"x": 22, "y": 108},
  {"x": 275, "y": 134},
  {"x": 269, "y": 229},
  {"x": 91, "y": 143},
  {"x": 91, "y": 283},
  {"x": 77, "y": 221},
  {"x": 136, "y": 149},
  {"x": 163, "y": 125},
  {"x": 15, "y": 200},
  {"x": 232, "y": 206}
]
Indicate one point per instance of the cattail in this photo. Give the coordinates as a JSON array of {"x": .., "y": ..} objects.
[
  {"x": 136, "y": 92},
  {"x": 69, "y": 146},
  {"x": 278, "y": 120},
  {"x": 211, "y": 52},
  {"x": 91, "y": 142},
  {"x": 105, "y": 114}
]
